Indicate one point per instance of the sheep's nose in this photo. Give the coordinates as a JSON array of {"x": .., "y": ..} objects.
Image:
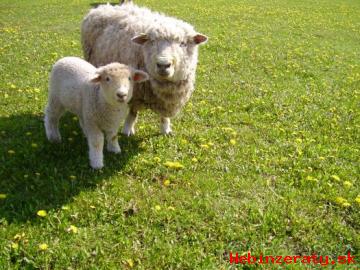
[
  {"x": 163, "y": 66},
  {"x": 121, "y": 95}
]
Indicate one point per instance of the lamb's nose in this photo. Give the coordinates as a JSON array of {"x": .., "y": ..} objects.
[
  {"x": 163, "y": 66},
  {"x": 121, "y": 95}
]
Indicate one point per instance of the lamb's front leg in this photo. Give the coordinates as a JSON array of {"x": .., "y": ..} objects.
[
  {"x": 129, "y": 125},
  {"x": 96, "y": 144},
  {"x": 165, "y": 126},
  {"x": 112, "y": 143}
]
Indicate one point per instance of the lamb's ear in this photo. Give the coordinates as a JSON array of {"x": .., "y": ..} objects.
[
  {"x": 96, "y": 78},
  {"x": 200, "y": 39},
  {"x": 140, "y": 39},
  {"x": 140, "y": 76}
]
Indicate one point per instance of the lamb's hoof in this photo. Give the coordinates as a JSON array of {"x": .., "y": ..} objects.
[
  {"x": 54, "y": 139},
  {"x": 167, "y": 132},
  {"x": 113, "y": 149},
  {"x": 128, "y": 131},
  {"x": 96, "y": 165}
]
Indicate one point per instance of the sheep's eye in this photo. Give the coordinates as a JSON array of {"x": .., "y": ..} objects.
[
  {"x": 183, "y": 44},
  {"x": 107, "y": 79},
  {"x": 129, "y": 78}
]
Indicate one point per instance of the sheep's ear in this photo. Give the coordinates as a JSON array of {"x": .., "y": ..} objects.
[
  {"x": 140, "y": 39},
  {"x": 140, "y": 76},
  {"x": 96, "y": 78},
  {"x": 200, "y": 39}
]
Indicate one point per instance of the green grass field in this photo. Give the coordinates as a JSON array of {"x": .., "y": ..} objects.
[{"x": 269, "y": 145}]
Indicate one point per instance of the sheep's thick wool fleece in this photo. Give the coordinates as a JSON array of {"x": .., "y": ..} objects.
[{"x": 106, "y": 37}]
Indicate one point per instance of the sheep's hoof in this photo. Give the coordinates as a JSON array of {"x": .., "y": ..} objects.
[
  {"x": 54, "y": 139},
  {"x": 128, "y": 131},
  {"x": 114, "y": 149},
  {"x": 167, "y": 132},
  {"x": 97, "y": 165}
]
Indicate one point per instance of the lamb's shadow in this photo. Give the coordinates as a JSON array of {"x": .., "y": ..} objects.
[
  {"x": 96, "y": 4},
  {"x": 35, "y": 174}
]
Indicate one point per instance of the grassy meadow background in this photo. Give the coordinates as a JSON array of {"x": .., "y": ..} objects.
[{"x": 269, "y": 145}]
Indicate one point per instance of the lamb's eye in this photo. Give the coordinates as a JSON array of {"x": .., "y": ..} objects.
[
  {"x": 107, "y": 79},
  {"x": 129, "y": 78},
  {"x": 183, "y": 44}
]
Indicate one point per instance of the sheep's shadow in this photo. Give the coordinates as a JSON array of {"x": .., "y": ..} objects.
[
  {"x": 35, "y": 174},
  {"x": 96, "y": 4}
]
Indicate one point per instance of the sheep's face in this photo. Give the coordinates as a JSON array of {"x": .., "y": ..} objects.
[
  {"x": 117, "y": 82},
  {"x": 169, "y": 60}
]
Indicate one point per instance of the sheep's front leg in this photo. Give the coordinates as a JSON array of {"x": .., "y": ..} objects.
[
  {"x": 165, "y": 126},
  {"x": 96, "y": 144},
  {"x": 129, "y": 126},
  {"x": 112, "y": 143}
]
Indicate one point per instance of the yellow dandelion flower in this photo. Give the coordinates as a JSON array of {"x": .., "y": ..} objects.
[
  {"x": 34, "y": 145},
  {"x": 357, "y": 199},
  {"x": 348, "y": 184},
  {"x": 157, "y": 207},
  {"x": 174, "y": 165},
  {"x": 157, "y": 159},
  {"x": 166, "y": 182},
  {"x": 184, "y": 141},
  {"x": 12, "y": 86},
  {"x": 335, "y": 177},
  {"x": 3, "y": 196},
  {"x": 340, "y": 200},
  {"x": 298, "y": 140},
  {"x": 130, "y": 263},
  {"x": 72, "y": 229},
  {"x": 232, "y": 141},
  {"x": 194, "y": 159},
  {"x": 310, "y": 178},
  {"x": 321, "y": 158},
  {"x": 346, "y": 204},
  {"x": 15, "y": 246},
  {"x": 41, "y": 213},
  {"x": 205, "y": 146},
  {"x": 227, "y": 129},
  {"x": 11, "y": 152},
  {"x": 43, "y": 247},
  {"x": 92, "y": 207}
]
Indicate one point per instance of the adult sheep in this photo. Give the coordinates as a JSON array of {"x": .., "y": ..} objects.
[{"x": 165, "y": 47}]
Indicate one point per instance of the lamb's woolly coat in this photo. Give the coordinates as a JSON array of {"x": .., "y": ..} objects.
[{"x": 106, "y": 37}]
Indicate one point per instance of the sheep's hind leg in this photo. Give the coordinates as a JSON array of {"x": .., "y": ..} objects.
[
  {"x": 112, "y": 143},
  {"x": 165, "y": 126},
  {"x": 129, "y": 125},
  {"x": 53, "y": 113}
]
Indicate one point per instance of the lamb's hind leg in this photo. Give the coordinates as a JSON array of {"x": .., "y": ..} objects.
[
  {"x": 165, "y": 126},
  {"x": 53, "y": 113},
  {"x": 129, "y": 125}
]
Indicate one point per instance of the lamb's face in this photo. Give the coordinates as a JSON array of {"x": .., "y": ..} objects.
[
  {"x": 170, "y": 60},
  {"x": 117, "y": 82}
]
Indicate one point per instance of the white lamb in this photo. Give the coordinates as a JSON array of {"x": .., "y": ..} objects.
[
  {"x": 163, "y": 46},
  {"x": 98, "y": 96}
]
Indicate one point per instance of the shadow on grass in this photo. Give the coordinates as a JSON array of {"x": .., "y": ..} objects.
[
  {"x": 35, "y": 174},
  {"x": 96, "y": 4}
]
